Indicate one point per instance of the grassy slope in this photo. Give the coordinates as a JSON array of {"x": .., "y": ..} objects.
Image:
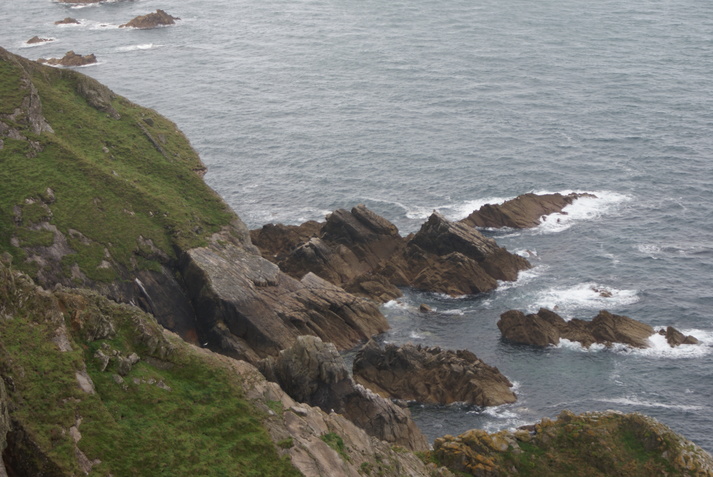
[
  {"x": 200, "y": 426},
  {"x": 109, "y": 179}
]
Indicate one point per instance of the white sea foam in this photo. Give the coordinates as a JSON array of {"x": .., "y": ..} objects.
[
  {"x": 414, "y": 335},
  {"x": 582, "y": 209},
  {"x": 589, "y": 295},
  {"x": 456, "y": 312},
  {"x": 454, "y": 211},
  {"x": 634, "y": 401},
  {"x": 658, "y": 347},
  {"x": 144, "y": 46},
  {"x": 523, "y": 278}
]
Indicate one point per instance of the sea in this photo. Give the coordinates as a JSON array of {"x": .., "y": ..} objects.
[{"x": 301, "y": 107}]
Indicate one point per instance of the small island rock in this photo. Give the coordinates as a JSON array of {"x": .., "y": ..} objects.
[
  {"x": 36, "y": 39},
  {"x": 67, "y": 21},
  {"x": 152, "y": 20},
  {"x": 70, "y": 59}
]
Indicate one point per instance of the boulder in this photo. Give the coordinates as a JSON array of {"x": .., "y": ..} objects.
[
  {"x": 36, "y": 39},
  {"x": 312, "y": 372},
  {"x": 522, "y": 212},
  {"x": 67, "y": 21},
  {"x": 430, "y": 375},
  {"x": 70, "y": 59},
  {"x": 152, "y": 20},
  {"x": 546, "y": 328},
  {"x": 364, "y": 253}
]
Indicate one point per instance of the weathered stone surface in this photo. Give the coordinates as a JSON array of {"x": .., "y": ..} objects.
[
  {"x": 676, "y": 338},
  {"x": 591, "y": 443},
  {"x": 250, "y": 309},
  {"x": 312, "y": 372},
  {"x": 152, "y": 20},
  {"x": 70, "y": 59},
  {"x": 364, "y": 253},
  {"x": 430, "y": 375},
  {"x": 547, "y": 328},
  {"x": 522, "y": 212}
]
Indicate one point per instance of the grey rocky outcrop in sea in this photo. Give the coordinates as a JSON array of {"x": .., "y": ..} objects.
[
  {"x": 524, "y": 211},
  {"x": 364, "y": 253},
  {"x": 70, "y": 59},
  {"x": 151, "y": 20},
  {"x": 546, "y": 328},
  {"x": 430, "y": 375}
]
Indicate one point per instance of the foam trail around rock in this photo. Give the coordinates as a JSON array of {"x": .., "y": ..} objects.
[{"x": 583, "y": 296}]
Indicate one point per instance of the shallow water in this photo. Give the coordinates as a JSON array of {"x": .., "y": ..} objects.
[{"x": 300, "y": 107}]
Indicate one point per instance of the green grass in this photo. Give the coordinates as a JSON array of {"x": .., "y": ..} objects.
[
  {"x": 337, "y": 443},
  {"x": 196, "y": 423},
  {"x": 110, "y": 181}
]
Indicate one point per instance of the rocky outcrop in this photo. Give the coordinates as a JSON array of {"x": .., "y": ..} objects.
[
  {"x": 364, "y": 253},
  {"x": 522, "y": 212},
  {"x": 546, "y": 328},
  {"x": 36, "y": 39},
  {"x": 70, "y": 59},
  {"x": 67, "y": 21},
  {"x": 152, "y": 20},
  {"x": 312, "y": 372},
  {"x": 676, "y": 338},
  {"x": 430, "y": 375},
  {"x": 596, "y": 444}
]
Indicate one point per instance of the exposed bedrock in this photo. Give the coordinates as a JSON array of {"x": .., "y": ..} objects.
[
  {"x": 430, "y": 375},
  {"x": 547, "y": 328},
  {"x": 522, "y": 212},
  {"x": 313, "y": 372},
  {"x": 152, "y": 20},
  {"x": 250, "y": 309},
  {"x": 364, "y": 253},
  {"x": 70, "y": 59}
]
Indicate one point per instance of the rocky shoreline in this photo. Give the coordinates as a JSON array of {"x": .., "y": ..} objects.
[{"x": 280, "y": 299}]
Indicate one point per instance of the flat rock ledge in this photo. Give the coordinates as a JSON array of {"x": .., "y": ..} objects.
[
  {"x": 363, "y": 253},
  {"x": 152, "y": 20},
  {"x": 430, "y": 375},
  {"x": 314, "y": 373},
  {"x": 522, "y": 212},
  {"x": 70, "y": 59},
  {"x": 67, "y": 21},
  {"x": 546, "y": 328}
]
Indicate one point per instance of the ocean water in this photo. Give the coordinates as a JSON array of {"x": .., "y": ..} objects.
[{"x": 300, "y": 107}]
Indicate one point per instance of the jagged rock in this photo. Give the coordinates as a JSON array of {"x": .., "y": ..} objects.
[
  {"x": 547, "y": 328},
  {"x": 364, "y": 253},
  {"x": 522, "y": 212},
  {"x": 430, "y": 375},
  {"x": 312, "y": 372},
  {"x": 152, "y": 20},
  {"x": 591, "y": 443},
  {"x": 67, "y": 21},
  {"x": 676, "y": 338},
  {"x": 125, "y": 363},
  {"x": 70, "y": 59},
  {"x": 37, "y": 39}
]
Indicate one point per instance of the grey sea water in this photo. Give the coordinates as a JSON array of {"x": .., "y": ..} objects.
[{"x": 303, "y": 106}]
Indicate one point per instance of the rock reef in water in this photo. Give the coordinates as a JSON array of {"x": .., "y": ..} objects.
[
  {"x": 152, "y": 20},
  {"x": 546, "y": 328},
  {"x": 313, "y": 372},
  {"x": 595, "y": 444},
  {"x": 524, "y": 211},
  {"x": 430, "y": 375},
  {"x": 67, "y": 21},
  {"x": 70, "y": 59},
  {"x": 364, "y": 253},
  {"x": 36, "y": 39}
]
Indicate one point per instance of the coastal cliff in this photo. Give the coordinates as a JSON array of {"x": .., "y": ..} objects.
[{"x": 107, "y": 231}]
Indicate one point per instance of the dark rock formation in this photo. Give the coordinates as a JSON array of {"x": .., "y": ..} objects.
[
  {"x": 430, "y": 375},
  {"x": 152, "y": 20},
  {"x": 522, "y": 212},
  {"x": 364, "y": 253},
  {"x": 676, "y": 338},
  {"x": 67, "y": 21},
  {"x": 547, "y": 328},
  {"x": 70, "y": 59},
  {"x": 312, "y": 372},
  {"x": 37, "y": 39},
  {"x": 596, "y": 443}
]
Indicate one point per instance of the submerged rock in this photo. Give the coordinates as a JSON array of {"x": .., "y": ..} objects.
[
  {"x": 312, "y": 372},
  {"x": 67, "y": 21},
  {"x": 431, "y": 375},
  {"x": 546, "y": 328},
  {"x": 522, "y": 212},
  {"x": 36, "y": 39},
  {"x": 364, "y": 253},
  {"x": 152, "y": 20},
  {"x": 70, "y": 59}
]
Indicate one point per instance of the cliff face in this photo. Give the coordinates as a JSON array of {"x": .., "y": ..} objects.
[{"x": 101, "y": 193}]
